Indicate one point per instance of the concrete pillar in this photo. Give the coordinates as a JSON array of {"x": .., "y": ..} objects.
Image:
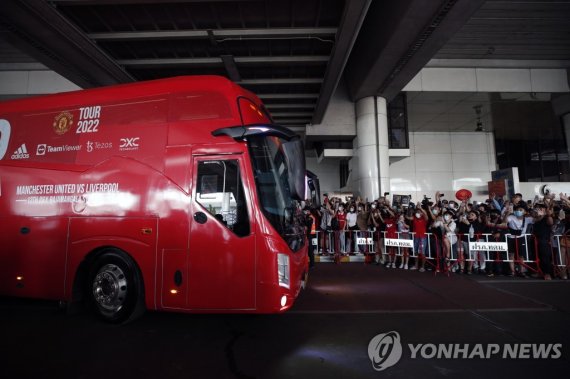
[
  {"x": 566, "y": 122},
  {"x": 372, "y": 147}
]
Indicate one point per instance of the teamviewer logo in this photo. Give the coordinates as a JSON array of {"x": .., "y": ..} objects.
[
  {"x": 41, "y": 149},
  {"x": 385, "y": 350}
]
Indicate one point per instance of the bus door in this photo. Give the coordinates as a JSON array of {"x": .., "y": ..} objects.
[{"x": 221, "y": 258}]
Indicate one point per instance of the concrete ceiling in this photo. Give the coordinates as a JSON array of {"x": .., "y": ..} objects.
[
  {"x": 447, "y": 111},
  {"x": 522, "y": 30},
  {"x": 292, "y": 53}
]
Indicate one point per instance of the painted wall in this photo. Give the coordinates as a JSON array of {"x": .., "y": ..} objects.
[
  {"x": 339, "y": 118},
  {"x": 33, "y": 82},
  {"x": 444, "y": 162},
  {"x": 328, "y": 172},
  {"x": 438, "y": 161}
]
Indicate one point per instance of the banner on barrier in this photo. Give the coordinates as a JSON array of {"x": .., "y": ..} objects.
[
  {"x": 364, "y": 241},
  {"x": 489, "y": 246},
  {"x": 392, "y": 242},
  {"x": 315, "y": 242}
]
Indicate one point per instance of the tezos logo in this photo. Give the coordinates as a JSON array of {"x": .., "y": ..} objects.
[
  {"x": 385, "y": 350},
  {"x": 131, "y": 143},
  {"x": 94, "y": 145}
]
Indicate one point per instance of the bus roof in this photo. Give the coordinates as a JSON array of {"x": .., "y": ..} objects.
[{"x": 120, "y": 92}]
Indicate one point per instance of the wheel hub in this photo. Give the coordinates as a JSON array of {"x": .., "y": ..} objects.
[{"x": 110, "y": 287}]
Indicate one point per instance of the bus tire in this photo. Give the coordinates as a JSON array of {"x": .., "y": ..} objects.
[{"x": 115, "y": 288}]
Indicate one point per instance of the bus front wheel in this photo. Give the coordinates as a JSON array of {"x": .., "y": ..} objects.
[{"x": 115, "y": 287}]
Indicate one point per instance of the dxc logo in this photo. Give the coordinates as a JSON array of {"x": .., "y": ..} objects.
[
  {"x": 131, "y": 143},
  {"x": 385, "y": 350}
]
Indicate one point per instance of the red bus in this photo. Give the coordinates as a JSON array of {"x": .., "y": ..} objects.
[{"x": 176, "y": 194}]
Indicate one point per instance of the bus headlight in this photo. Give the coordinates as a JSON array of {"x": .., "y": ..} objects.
[{"x": 283, "y": 269}]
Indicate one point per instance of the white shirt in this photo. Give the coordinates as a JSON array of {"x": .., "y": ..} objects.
[
  {"x": 351, "y": 219},
  {"x": 514, "y": 223}
]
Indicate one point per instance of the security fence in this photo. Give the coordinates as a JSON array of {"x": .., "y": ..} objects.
[{"x": 444, "y": 253}]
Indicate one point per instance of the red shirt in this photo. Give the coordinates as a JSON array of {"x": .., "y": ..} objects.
[
  {"x": 391, "y": 228},
  {"x": 341, "y": 217},
  {"x": 420, "y": 226}
]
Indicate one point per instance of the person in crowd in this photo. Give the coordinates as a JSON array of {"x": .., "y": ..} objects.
[
  {"x": 326, "y": 214},
  {"x": 376, "y": 226},
  {"x": 390, "y": 223},
  {"x": 519, "y": 202},
  {"x": 560, "y": 241},
  {"x": 517, "y": 222},
  {"x": 497, "y": 228},
  {"x": 542, "y": 231},
  {"x": 449, "y": 237},
  {"x": 470, "y": 228},
  {"x": 352, "y": 228},
  {"x": 310, "y": 224},
  {"x": 435, "y": 227},
  {"x": 362, "y": 223},
  {"x": 453, "y": 205},
  {"x": 404, "y": 233},
  {"x": 342, "y": 227},
  {"x": 419, "y": 222}
]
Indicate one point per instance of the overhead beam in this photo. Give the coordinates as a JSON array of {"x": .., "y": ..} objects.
[
  {"x": 281, "y": 81},
  {"x": 291, "y": 114},
  {"x": 352, "y": 19},
  {"x": 231, "y": 67},
  {"x": 407, "y": 35},
  {"x": 116, "y": 2},
  {"x": 293, "y": 121},
  {"x": 26, "y": 66},
  {"x": 264, "y": 33},
  {"x": 152, "y": 62},
  {"x": 298, "y": 129},
  {"x": 279, "y": 96},
  {"x": 39, "y": 30},
  {"x": 289, "y": 106}
]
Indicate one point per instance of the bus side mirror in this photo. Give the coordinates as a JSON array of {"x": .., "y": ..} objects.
[{"x": 294, "y": 153}]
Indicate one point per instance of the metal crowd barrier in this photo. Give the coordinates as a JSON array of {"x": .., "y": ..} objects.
[
  {"x": 560, "y": 245},
  {"x": 463, "y": 248}
]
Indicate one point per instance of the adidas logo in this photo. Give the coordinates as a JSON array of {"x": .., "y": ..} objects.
[{"x": 21, "y": 153}]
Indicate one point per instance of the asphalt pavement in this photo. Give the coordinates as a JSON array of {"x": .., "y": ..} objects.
[{"x": 428, "y": 325}]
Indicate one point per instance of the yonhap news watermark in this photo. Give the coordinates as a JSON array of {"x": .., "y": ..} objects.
[{"x": 386, "y": 349}]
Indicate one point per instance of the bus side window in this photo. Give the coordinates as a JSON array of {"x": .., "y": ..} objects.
[{"x": 220, "y": 192}]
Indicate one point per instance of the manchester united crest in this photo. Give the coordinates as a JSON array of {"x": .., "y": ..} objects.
[{"x": 62, "y": 123}]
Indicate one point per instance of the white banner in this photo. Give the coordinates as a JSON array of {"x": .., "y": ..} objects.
[
  {"x": 488, "y": 246},
  {"x": 314, "y": 241},
  {"x": 364, "y": 241},
  {"x": 398, "y": 243}
]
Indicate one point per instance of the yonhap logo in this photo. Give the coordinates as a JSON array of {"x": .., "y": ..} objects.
[{"x": 385, "y": 350}]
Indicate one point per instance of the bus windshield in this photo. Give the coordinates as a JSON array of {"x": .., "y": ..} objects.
[{"x": 271, "y": 172}]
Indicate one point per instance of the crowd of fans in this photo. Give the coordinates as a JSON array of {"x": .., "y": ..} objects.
[{"x": 451, "y": 225}]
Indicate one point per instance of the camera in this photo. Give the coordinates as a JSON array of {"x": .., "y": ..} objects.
[{"x": 426, "y": 202}]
